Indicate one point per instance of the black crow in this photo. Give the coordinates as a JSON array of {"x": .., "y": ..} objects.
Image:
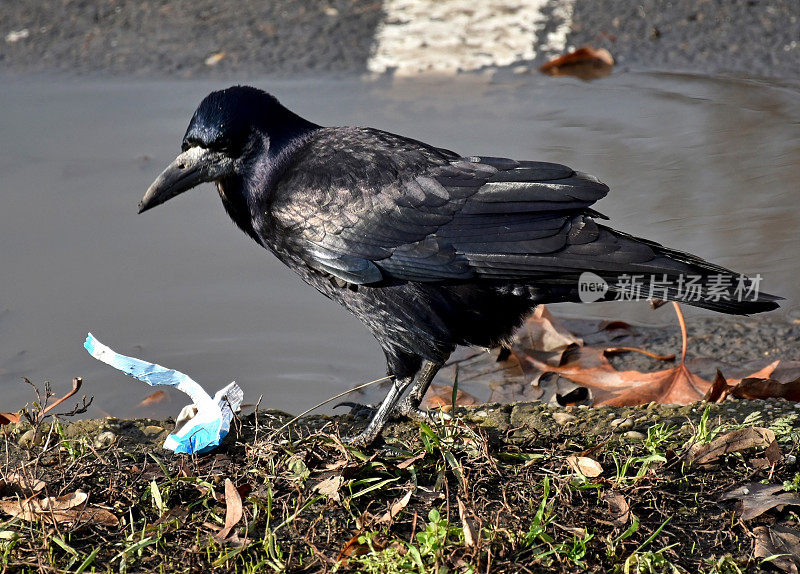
[{"x": 428, "y": 248}]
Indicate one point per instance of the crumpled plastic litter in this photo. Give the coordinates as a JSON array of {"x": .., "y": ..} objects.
[{"x": 201, "y": 426}]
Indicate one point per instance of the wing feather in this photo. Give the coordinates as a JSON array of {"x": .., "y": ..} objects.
[{"x": 430, "y": 215}]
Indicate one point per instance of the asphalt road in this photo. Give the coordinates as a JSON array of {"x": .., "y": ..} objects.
[{"x": 253, "y": 38}]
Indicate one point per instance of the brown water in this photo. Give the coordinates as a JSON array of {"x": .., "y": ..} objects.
[{"x": 706, "y": 165}]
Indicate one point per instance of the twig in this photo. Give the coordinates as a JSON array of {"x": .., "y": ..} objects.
[{"x": 325, "y": 402}]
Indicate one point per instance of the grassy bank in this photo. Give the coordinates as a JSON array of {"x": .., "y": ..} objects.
[{"x": 503, "y": 488}]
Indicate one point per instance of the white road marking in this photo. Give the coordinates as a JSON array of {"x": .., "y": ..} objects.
[{"x": 448, "y": 36}]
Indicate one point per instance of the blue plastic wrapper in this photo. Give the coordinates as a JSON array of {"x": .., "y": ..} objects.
[{"x": 202, "y": 425}]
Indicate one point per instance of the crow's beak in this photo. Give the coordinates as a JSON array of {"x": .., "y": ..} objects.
[{"x": 191, "y": 168}]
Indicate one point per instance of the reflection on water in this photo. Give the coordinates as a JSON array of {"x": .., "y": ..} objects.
[{"x": 706, "y": 165}]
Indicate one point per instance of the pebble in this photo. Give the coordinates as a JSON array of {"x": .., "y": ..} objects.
[
  {"x": 622, "y": 423},
  {"x": 105, "y": 439},
  {"x": 26, "y": 440},
  {"x": 152, "y": 430},
  {"x": 634, "y": 435},
  {"x": 564, "y": 418}
]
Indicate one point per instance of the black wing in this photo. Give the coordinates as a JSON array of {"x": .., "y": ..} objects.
[{"x": 365, "y": 205}]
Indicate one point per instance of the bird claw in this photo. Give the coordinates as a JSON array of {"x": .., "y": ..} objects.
[
  {"x": 361, "y": 440},
  {"x": 417, "y": 414}
]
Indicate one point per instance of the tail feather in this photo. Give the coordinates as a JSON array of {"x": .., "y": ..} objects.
[{"x": 669, "y": 275}]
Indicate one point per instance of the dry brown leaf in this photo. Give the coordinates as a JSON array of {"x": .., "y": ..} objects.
[
  {"x": 76, "y": 385},
  {"x": 585, "y": 63},
  {"x": 68, "y": 509},
  {"x": 156, "y": 398},
  {"x": 548, "y": 334},
  {"x": 8, "y": 418},
  {"x": 772, "y": 456},
  {"x": 755, "y": 498},
  {"x": 628, "y": 388},
  {"x": 233, "y": 512},
  {"x": 617, "y": 350},
  {"x": 330, "y": 487},
  {"x": 409, "y": 461},
  {"x": 441, "y": 397},
  {"x": 64, "y": 502},
  {"x": 101, "y": 516},
  {"x": 589, "y": 367},
  {"x": 763, "y": 373},
  {"x": 399, "y": 505},
  {"x": 588, "y": 467},
  {"x": 24, "y": 484},
  {"x": 734, "y": 441},
  {"x": 469, "y": 533},
  {"x": 619, "y": 510},
  {"x": 354, "y": 547},
  {"x": 755, "y": 388},
  {"x": 780, "y": 541},
  {"x": 718, "y": 390},
  {"x": 336, "y": 465}
]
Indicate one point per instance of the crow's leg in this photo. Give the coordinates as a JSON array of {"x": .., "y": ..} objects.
[
  {"x": 382, "y": 415},
  {"x": 410, "y": 405}
]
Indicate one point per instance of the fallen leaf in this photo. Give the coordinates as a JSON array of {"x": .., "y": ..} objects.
[
  {"x": 773, "y": 454},
  {"x": 755, "y": 388},
  {"x": 330, "y": 487},
  {"x": 469, "y": 534},
  {"x": 156, "y": 398},
  {"x": 617, "y": 350},
  {"x": 585, "y": 63},
  {"x": 588, "y": 467},
  {"x": 409, "y": 461},
  {"x": 96, "y": 516},
  {"x": 76, "y": 385},
  {"x": 763, "y": 373},
  {"x": 395, "y": 509},
  {"x": 755, "y": 498},
  {"x": 336, "y": 465},
  {"x": 589, "y": 367},
  {"x": 233, "y": 512},
  {"x": 65, "y": 502},
  {"x": 67, "y": 509},
  {"x": 734, "y": 441},
  {"x": 546, "y": 333},
  {"x": 354, "y": 547},
  {"x": 619, "y": 510},
  {"x": 718, "y": 390},
  {"x": 23, "y": 484},
  {"x": 441, "y": 397},
  {"x": 781, "y": 542},
  {"x": 8, "y": 418}
]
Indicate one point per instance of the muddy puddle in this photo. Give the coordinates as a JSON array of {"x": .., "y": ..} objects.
[{"x": 706, "y": 165}]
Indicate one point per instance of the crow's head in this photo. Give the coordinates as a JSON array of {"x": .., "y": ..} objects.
[{"x": 230, "y": 130}]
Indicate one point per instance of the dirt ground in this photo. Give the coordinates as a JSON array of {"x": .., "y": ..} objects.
[{"x": 507, "y": 488}]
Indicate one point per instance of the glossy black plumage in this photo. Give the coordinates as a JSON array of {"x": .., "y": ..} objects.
[{"x": 429, "y": 249}]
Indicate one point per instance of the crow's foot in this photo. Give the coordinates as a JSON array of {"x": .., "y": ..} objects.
[
  {"x": 409, "y": 409},
  {"x": 361, "y": 440}
]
